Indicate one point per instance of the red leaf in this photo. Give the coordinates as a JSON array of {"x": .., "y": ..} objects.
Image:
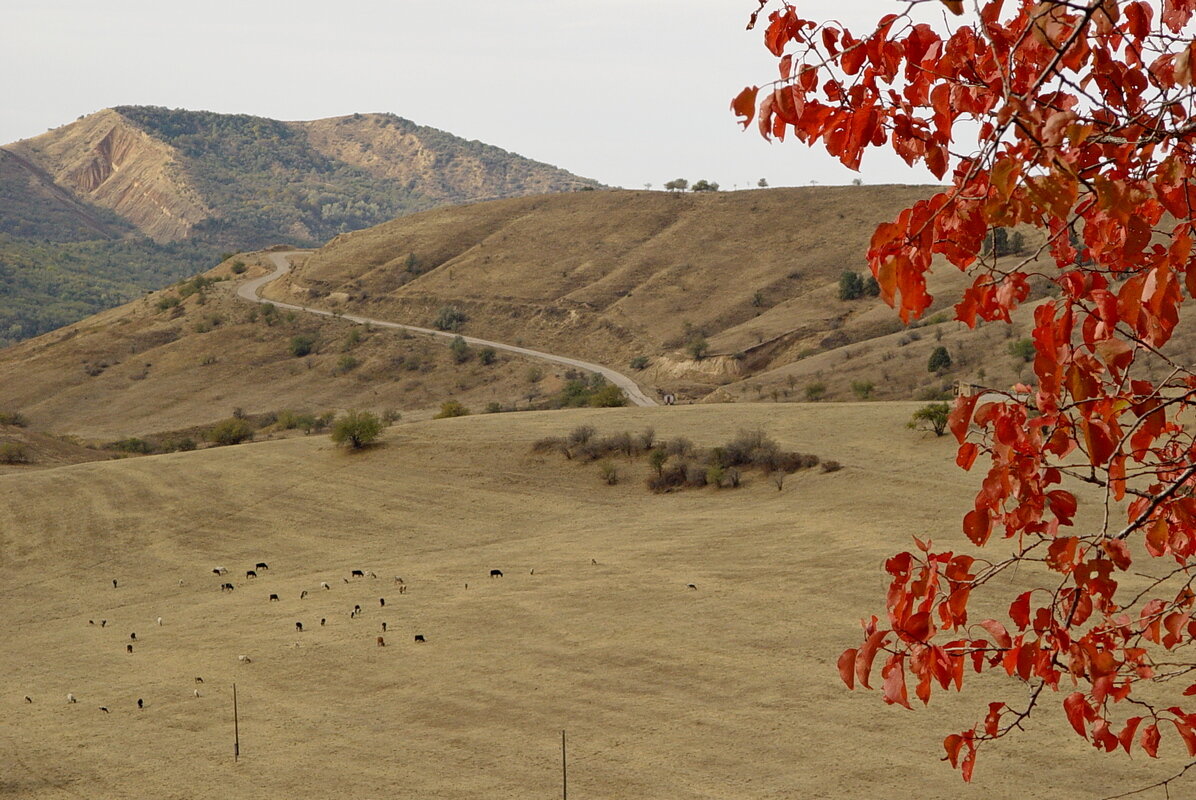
[
  {"x": 1188, "y": 735},
  {"x": 894, "y": 686},
  {"x": 961, "y": 416},
  {"x": 1000, "y": 635},
  {"x": 1019, "y": 611},
  {"x": 978, "y": 526},
  {"x": 744, "y": 105},
  {"x": 966, "y": 455},
  {"x": 1150, "y": 740},
  {"x": 1077, "y": 708},
  {"x": 863, "y": 659},
  {"x": 1127, "y": 734},
  {"x": 847, "y": 667}
]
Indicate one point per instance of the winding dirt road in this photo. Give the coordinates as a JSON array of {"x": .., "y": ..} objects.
[{"x": 249, "y": 291}]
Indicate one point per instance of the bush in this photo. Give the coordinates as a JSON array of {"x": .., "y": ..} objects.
[
  {"x": 862, "y": 389},
  {"x": 451, "y": 408},
  {"x": 698, "y": 348},
  {"x": 581, "y": 434},
  {"x": 639, "y": 362},
  {"x": 831, "y": 466},
  {"x": 238, "y": 267},
  {"x": 302, "y": 345},
  {"x": 494, "y": 407},
  {"x": 815, "y": 391},
  {"x": 657, "y": 459},
  {"x": 934, "y": 415},
  {"x": 1023, "y": 349},
  {"x": 169, "y": 301},
  {"x": 940, "y": 360},
  {"x": 459, "y": 349},
  {"x": 13, "y": 453},
  {"x": 131, "y": 445},
  {"x": 230, "y": 431},
  {"x": 851, "y": 286},
  {"x": 608, "y": 396},
  {"x": 609, "y": 473},
  {"x": 356, "y": 429},
  {"x": 534, "y": 374},
  {"x": 449, "y": 318},
  {"x": 487, "y": 355},
  {"x": 12, "y": 418},
  {"x": 345, "y": 364}
]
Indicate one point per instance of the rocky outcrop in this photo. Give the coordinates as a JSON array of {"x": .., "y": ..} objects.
[{"x": 109, "y": 162}]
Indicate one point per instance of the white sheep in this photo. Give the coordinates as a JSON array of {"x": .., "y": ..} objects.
[
  {"x": 159, "y": 620},
  {"x": 324, "y": 585},
  {"x": 245, "y": 659},
  {"x": 70, "y": 698}
]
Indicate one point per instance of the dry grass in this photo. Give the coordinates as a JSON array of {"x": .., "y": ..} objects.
[{"x": 726, "y": 691}]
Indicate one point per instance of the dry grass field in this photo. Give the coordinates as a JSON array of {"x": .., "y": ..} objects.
[{"x": 726, "y": 691}]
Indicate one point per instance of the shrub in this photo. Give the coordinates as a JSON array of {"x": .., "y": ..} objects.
[
  {"x": 657, "y": 459},
  {"x": 778, "y": 480},
  {"x": 12, "y": 418},
  {"x": 238, "y": 267},
  {"x": 534, "y": 374},
  {"x": 169, "y": 301},
  {"x": 715, "y": 474},
  {"x": 609, "y": 473},
  {"x": 831, "y": 466},
  {"x": 647, "y": 438},
  {"x": 862, "y": 389},
  {"x": 851, "y": 286},
  {"x": 934, "y": 415},
  {"x": 13, "y": 453},
  {"x": 608, "y": 396},
  {"x": 302, "y": 344},
  {"x": 459, "y": 349},
  {"x": 487, "y": 355},
  {"x": 185, "y": 444},
  {"x": 131, "y": 445},
  {"x": 679, "y": 447},
  {"x": 697, "y": 347},
  {"x": 1023, "y": 349},
  {"x": 815, "y": 391},
  {"x": 639, "y": 362},
  {"x": 550, "y": 444},
  {"x": 451, "y": 408},
  {"x": 230, "y": 431},
  {"x": 346, "y": 363},
  {"x": 449, "y": 318},
  {"x": 493, "y": 407},
  {"x": 940, "y": 360},
  {"x": 581, "y": 434},
  {"x": 390, "y": 416},
  {"x": 356, "y": 429}
]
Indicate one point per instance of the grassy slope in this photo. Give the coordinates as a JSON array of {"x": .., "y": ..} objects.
[{"x": 728, "y": 691}]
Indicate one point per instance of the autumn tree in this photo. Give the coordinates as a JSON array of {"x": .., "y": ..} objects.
[{"x": 1075, "y": 118}]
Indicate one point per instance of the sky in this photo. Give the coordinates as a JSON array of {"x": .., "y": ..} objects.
[{"x": 629, "y": 92}]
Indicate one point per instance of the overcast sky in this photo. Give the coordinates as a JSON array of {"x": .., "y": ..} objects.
[{"x": 625, "y": 91}]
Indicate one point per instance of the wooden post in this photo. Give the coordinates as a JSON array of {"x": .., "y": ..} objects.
[
  {"x": 236, "y": 728},
  {"x": 564, "y": 771}
]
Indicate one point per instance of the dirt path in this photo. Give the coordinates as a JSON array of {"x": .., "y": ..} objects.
[{"x": 249, "y": 291}]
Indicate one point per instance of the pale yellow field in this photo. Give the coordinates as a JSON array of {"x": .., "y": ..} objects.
[{"x": 726, "y": 691}]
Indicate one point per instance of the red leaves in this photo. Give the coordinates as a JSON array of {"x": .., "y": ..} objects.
[
  {"x": 847, "y": 667},
  {"x": 1076, "y": 707},
  {"x": 1019, "y": 611},
  {"x": 893, "y": 673},
  {"x": 1150, "y": 740}
]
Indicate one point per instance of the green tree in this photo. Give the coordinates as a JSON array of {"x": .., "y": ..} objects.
[
  {"x": 356, "y": 429},
  {"x": 230, "y": 431},
  {"x": 851, "y": 286},
  {"x": 940, "y": 360},
  {"x": 302, "y": 344},
  {"x": 451, "y": 408},
  {"x": 934, "y": 415},
  {"x": 449, "y": 318},
  {"x": 1023, "y": 349},
  {"x": 459, "y": 349}
]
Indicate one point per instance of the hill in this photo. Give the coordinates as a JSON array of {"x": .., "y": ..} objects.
[
  {"x": 718, "y": 692},
  {"x": 175, "y": 188}
]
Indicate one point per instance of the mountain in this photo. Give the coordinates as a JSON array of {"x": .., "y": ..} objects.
[
  {"x": 616, "y": 277},
  {"x": 163, "y": 192}
]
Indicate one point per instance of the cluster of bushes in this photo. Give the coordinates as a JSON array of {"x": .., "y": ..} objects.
[
  {"x": 853, "y": 286},
  {"x": 592, "y": 392},
  {"x": 677, "y": 463},
  {"x": 306, "y": 422},
  {"x": 13, "y": 453},
  {"x": 12, "y": 418}
]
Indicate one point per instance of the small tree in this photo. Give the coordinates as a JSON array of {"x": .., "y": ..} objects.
[
  {"x": 934, "y": 415},
  {"x": 449, "y": 318},
  {"x": 697, "y": 347},
  {"x": 451, "y": 408},
  {"x": 762, "y": 183},
  {"x": 815, "y": 391},
  {"x": 459, "y": 349},
  {"x": 1023, "y": 349},
  {"x": 862, "y": 389},
  {"x": 356, "y": 429},
  {"x": 940, "y": 360},
  {"x": 302, "y": 344},
  {"x": 639, "y": 362},
  {"x": 851, "y": 286},
  {"x": 487, "y": 355},
  {"x": 704, "y": 185},
  {"x": 230, "y": 431},
  {"x": 677, "y": 185}
]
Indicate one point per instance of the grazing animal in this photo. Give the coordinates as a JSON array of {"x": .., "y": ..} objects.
[
  {"x": 352, "y": 615},
  {"x": 690, "y": 585},
  {"x": 219, "y": 570},
  {"x": 114, "y": 583},
  {"x": 128, "y": 648},
  {"x": 382, "y": 601},
  {"x": 104, "y": 709},
  {"x": 159, "y": 620},
  {"x": 398, "y": 579},
  {"x": 91, "y": 622},
  {"x": 467, "y": 586},
  {"x": 533, "y": 572},
  {"x": 273, "y": 598},
  {"x": 227, "y": 587},
  {"x": 356, "y": 574},
  {"x": 133, "y": 636},
  {"x": 381, "y": 642},
  {"x": 196, "y": 693},
  {"x": 346, "y": 580},
  {"x": 419, "y": 637},
  {"x": 245, "y": 659},
  {"x": 250, "y": 573},
  {"x": 593, "y": 561},
  {"x": 322, "y": 621},
  {"x": 262, "y": 565},
  {"x": 303, "y": 594},
  {"x": 324, "y": 585},
  {"x": 670, "y": 398},
  {"x": 356, "y": 609},
  {"x": 384, "y": 627},
  {"x": 299, "y": 627},
  {"x": 28, "y": 699},
  {"x": 402, "y": 589},
  {"x": 140, "y": 703},
  {"x": 70, "y": 698},
  {"x": 103, "y": 622},
  {"x": 496, "y": 573},
  {"x": 370, "y": 574},
  {"x": 198, "y": 679}
]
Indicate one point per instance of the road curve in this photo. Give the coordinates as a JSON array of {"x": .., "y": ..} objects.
[{"x": 249, "y": 291}]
